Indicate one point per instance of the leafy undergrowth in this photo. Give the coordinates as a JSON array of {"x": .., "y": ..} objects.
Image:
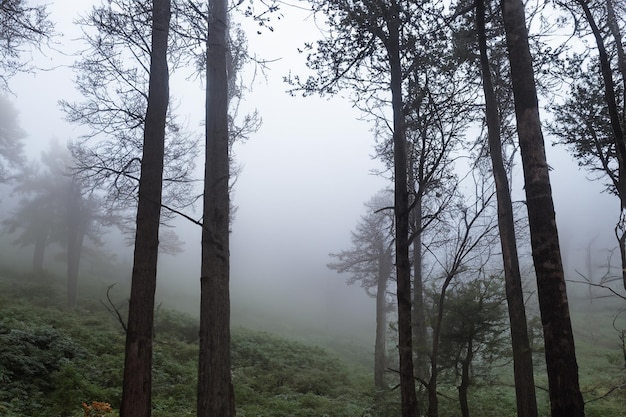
[
  {"x": 55, "y": 362},
  {"x": 68, "y": 363}
]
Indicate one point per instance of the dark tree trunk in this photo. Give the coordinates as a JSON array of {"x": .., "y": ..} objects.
[
  {"x": 401, "y": 206},
  {"x": 465, "y": 378},
  {"x": 137, "y": 385},
  {"x": 522, "y": 354},
  {"x": 433, "y": 400},
  {"x": 565, "y": 397},
  {"x": 215, "y": 390},
  {"x": 419, "y": 315},
  {"x": 380, "y": 355}
]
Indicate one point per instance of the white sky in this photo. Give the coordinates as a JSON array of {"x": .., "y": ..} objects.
[{"x": 306, "y": 173}]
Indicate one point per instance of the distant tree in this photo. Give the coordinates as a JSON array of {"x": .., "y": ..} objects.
[
  {"x": 11, "y": 147},
  {"x": 20, "y": 25},
  {"x": 564, "y": 390},
  {"x": 370, "y": 262},
  {"x": 137, "y": 384},
  {"x": 56, "y": 208}
]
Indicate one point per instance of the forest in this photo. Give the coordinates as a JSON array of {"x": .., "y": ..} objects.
[{"x": 314, "y": 208}]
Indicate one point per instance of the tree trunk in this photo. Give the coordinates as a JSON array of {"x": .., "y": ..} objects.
[
  {"x": 565, "y": 397},
  {"x": 401, "y": 207},
  {"x": 76, "y": 229},
  {"x": 215, "y": 390},
  {"x": 433, "y": 400},
  {"x": 380, "y": 355},
  {"x": 419, "y": 316},
  {"x": 522, "y": 354},
  {"x": 465, "y": 378},
  {"x": 137, "y": 385},
  {"x": 38, "y": 254},
  {"x": 616, "y": 127}
]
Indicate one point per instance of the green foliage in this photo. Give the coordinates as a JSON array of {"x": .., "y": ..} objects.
[{"x": 53, "y": 360}]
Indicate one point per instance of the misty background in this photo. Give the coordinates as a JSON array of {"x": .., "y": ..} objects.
[{"x": 305, "y": 176}]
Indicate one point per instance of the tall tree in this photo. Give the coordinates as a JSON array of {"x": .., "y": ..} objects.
[
  {"x": 137, "y": 385},
  {"x": 215, "y": 391},
  {"x": 565, "y": 396},
  {"x": 522, "y": 354},
  {"x": 370, "y": 262}
]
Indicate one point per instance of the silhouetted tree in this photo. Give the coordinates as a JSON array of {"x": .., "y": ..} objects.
[
  {"x": 565, "y": 396},
  {"x": 370, "y": 262},
  {"x": 137, "y": 385}
]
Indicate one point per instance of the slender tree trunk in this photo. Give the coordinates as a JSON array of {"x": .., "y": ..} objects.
[
  {"x": 380, "y": 355},
  {"x": 419, "y": 315},
  {"x": 522, "y": 354},
  {"x": 565, "y": 397},
  {"x": 401, "y": 202},
  {"x": 137, "y": 385},
  {"x": 76, "y": 229},
  {"x": 215, "y": 390},
  {"x": 39, "y": 252},
  {"x": 433, "y": 400},
  {"x": 618, "y": 132},
  {"x": 465, "y": 378}
]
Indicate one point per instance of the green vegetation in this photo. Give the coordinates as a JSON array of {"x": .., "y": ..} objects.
[{"x": 68, "y": 363}]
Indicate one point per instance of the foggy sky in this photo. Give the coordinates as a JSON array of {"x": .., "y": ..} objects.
[{"x": 306, "y": 175}]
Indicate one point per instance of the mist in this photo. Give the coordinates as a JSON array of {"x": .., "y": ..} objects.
[{"x": 304, "y": 178}]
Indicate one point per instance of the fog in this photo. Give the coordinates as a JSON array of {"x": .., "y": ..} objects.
[{"x": 305, "y": 177}]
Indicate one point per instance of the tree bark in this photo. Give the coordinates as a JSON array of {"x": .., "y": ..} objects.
[
  {"x": 137, "y": 385},
  {"x": 465, "y": 378},
  {"x": 433, "y": 400},
  {"x": 380, "y": 355},
  {"x": 419, "y": 316},
  {"x": 522, "y": 354},
  {"x": 401, "y": 207},
  {"x": 565, "y": 397},
  {"x": 215, "y": 390}
]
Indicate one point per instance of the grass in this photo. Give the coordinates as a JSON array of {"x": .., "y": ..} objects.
[{"x": 52, "y": 360}]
